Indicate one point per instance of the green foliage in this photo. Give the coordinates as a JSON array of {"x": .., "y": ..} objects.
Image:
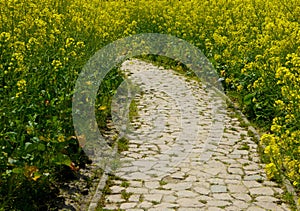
[
  {"x": 106, "y": 91},
  {"x": 123, "y": 144}
]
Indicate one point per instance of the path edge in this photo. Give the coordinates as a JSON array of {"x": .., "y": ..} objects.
[
  {"x": 286, "y": 183},
  {"x": 97, "y": 195}
]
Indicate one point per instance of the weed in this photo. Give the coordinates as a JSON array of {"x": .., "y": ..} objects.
[
  {"x": 125, "y": 195},
  {"x": 125, "y": 184},
  {"x": 244, "y": 147}
]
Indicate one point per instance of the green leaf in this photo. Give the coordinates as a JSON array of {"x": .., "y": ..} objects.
[
  {"x": 27, "y": 144},
  {"x": 248, "y": 98},
  {"x": 62, "y": 159},
  {"x": 17, "y": 170},
  {"x": 41, "y": 147},
  {"x": 35, "y": 139},
  {"x": 30, "y": 147}
]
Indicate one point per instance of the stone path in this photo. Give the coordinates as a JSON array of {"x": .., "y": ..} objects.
[{"x": 187, "y": 151}]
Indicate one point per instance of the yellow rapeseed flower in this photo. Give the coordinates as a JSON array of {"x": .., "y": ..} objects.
[{"x": 21, "y": 84}]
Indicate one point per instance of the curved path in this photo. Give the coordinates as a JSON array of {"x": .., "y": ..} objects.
[{"x": 187, "y": 151}]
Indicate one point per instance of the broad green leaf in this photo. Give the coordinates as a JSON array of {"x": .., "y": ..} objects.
[
  {"x": 17, "y": 170},
  {"x": 62, "y": 159},
  {"x": 248, "y": 98}
]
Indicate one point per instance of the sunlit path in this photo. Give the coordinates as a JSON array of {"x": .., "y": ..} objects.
[{"x": 187, "y": 152}]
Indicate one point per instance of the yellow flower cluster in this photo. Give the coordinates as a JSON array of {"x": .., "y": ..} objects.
[
  {"x": 286, "y": 127},
  {"x": 21, "y": 84}
]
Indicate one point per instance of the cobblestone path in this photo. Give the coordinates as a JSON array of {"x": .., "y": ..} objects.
[{"x": 187, "y": 151}]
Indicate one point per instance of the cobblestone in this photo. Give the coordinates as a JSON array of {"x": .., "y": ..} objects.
[{"x": 187, "y": 151}]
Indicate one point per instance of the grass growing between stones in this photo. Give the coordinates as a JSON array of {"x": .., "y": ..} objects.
[
  {"x": 125, "y": 184},
  {"x": 289, "y": 198},
  {"x": 125, "y": 195},
  {"x": 107, "y": 190},
  {"x": 244, "y": 147},
  {"x": 133, "y": 110},
  {"x": 123, "y": 144}
]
